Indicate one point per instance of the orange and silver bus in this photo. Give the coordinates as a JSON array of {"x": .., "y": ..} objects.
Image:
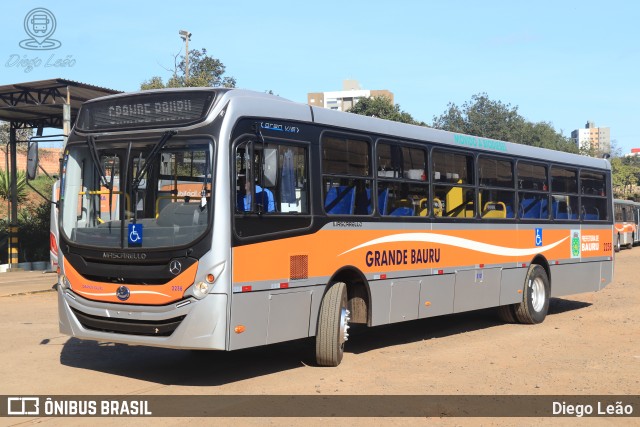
[
  {"x": 226, "y": 219},
  {"x": 627, "y": 223}
]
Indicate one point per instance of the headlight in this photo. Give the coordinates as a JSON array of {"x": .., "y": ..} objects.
[
  {"x": 63, "y": 282},
  {"x": 200, "y": 290}
]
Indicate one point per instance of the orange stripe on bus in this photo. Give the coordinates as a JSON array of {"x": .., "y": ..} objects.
[
  {"x": 330, "y": 250},
  {"x": 139, "y": 294}
]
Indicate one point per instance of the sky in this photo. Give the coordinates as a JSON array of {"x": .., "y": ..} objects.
[{"x": 561, "y": 62}]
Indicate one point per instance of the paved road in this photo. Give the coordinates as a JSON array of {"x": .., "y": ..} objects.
[
  {"x": 22, "y": 282},
  {"x": 587, "y": 345}
]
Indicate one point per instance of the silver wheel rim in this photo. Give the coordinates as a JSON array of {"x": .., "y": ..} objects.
[
  {"x": 344, "y": 325},
  {"x": 537, "y": 294}
]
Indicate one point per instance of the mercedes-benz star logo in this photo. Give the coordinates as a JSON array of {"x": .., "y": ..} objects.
[
  {"x": 175, "y": 267},
  {"x": 123, "y": 293}
]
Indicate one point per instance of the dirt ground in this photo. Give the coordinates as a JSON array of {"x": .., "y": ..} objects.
[{"x": 588, "y": 345}]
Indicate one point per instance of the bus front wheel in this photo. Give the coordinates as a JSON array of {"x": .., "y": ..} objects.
[
  {"x": 333, "y": 326},
  {"x": 535, "y": 299},
  {"x": 617, "y": 246}
]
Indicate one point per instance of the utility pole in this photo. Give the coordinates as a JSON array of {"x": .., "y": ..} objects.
[{"x": 186, "y": 36}]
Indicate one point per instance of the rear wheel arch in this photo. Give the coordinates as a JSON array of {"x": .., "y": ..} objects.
[
  {"x": 542, "y": 262},
  {"x": 526, "y": 311}
]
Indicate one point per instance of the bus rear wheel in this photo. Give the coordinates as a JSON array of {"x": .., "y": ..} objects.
[
  {"x": 333, "y": 326},
  {"x": 506, "y": 313},
  {"x": 535, "y": 299}
]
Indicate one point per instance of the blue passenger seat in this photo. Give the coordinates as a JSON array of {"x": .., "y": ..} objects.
[{"x": 340, "y": 200}]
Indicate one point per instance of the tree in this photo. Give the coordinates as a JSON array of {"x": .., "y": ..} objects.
[
  {"x": 204, "y": 71},
  {"x": 484, "y": 117},
  {"x": 22, "y": 137},
  {"x": 383, "y": 108},
  {"x": 625, "y": 176}
]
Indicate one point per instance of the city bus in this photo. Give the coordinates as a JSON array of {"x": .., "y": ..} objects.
[
  {"x": 224, "y": 219},
  {"x": 53, "y": 226},
  {"x": 627, "y": 223}
]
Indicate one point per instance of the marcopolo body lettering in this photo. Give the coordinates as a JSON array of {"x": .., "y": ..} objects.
[{"x": 124, "y": 256}]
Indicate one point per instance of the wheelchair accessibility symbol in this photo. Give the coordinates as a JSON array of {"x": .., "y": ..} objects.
[
  {"x": 135, "y": 234},
  {"x": 538, "y": 236}
]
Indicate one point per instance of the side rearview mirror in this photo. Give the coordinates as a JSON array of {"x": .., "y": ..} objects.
[
  {"x": 270, "y": 168},
  {"x": 32, "y": 160}
]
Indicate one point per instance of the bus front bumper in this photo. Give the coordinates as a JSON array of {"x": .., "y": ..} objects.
[{"x": 187, "y": 324}]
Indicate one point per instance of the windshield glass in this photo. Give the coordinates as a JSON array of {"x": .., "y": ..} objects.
[{"x": 168, "y": 205}]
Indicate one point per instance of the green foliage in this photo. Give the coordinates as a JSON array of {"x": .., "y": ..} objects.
[
  {"x": 204, "y": 71},
  {"x": 43, "y": 184},
  {"x": 33, "y": 233},
  {"x": 382, "y": 108},
  {"x": 484, "y": 117},
  {"x": 625, "y": 176},
  {"x": 5, "y": 185}
]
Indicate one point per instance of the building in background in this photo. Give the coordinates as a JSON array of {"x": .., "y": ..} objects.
[
  {"x": 592, "y": 138},
  {"x": 346, "y": 98},
  {"x": 635, "y": 152}
]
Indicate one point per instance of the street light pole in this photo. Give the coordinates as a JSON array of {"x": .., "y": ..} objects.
[{"x": 186, "y": 36}]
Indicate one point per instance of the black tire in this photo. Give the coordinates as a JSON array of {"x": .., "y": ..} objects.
[
  {"x": 506, "y": 313},
  {"x": 333, "y": 324},
  {"x": 535, "y": 299},
  {"x": 617, "y": 246}
]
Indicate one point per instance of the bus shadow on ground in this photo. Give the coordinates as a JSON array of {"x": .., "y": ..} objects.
[
  {"x": 186, "y": 367},
  {"x": 367, "y": 339},
  {"x": 215, "y": 368}
]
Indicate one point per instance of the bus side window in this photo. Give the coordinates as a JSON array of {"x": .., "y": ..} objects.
[
  {"x": 346, "y": 176},
  {"x": 402, "y": 180},
  {"x": 496, "y": 199},
  {"x": 455, "y": 189},
  {"x": 271, "y": 178}
]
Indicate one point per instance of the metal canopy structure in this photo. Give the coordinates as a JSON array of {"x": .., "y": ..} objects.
[
  {"x": 52, "y": 103},
  {"x": 39, "y": 104}
]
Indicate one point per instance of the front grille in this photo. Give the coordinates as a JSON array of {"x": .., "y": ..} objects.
[{"x": 155, "y": 328}]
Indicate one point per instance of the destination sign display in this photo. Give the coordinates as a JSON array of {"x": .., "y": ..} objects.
[{"x": 145, "y": 111}]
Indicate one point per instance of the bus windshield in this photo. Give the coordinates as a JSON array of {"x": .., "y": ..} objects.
[{"x": 164, "y": 203}]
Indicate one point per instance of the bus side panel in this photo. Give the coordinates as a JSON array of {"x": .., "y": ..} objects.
[
  {"x": 575, "y": 278},
  {"x": 404, "y": 300},
  {"x": 259, "y": 318},
  {"x": 511, "y": 285},
  {"x": 477, "y": 289},
  {"x": 380, "y": 302},
  {"x": 249, "y": 311},
  {"x": 436, "y": 295},
  {"x": 606, "y": 273},
  {"x": 289, "y": 316}
]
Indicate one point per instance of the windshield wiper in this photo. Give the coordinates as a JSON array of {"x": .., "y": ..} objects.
[
  {"x": 203, "y": 193},
  {"x": 149, "y": 159},
  {"x": 96, "y": 161},
  {"x": 113, "y": 169}
]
